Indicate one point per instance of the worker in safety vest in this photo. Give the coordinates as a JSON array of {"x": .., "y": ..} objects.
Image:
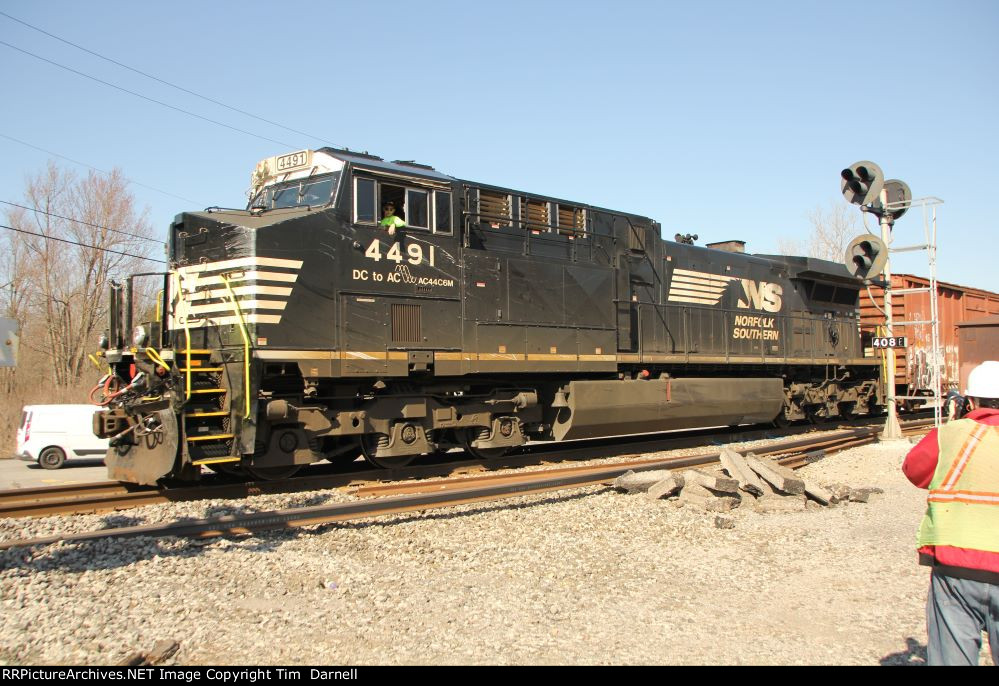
[
  {"x": 390, "y": 221},
  {"x": 959, "y": 536}
]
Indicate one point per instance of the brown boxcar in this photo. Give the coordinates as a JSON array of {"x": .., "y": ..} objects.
[
  {"x": 956, "y": 305},
  {"x": 977, "y": 341}
]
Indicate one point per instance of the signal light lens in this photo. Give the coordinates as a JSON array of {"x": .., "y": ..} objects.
[
  {"x": 861, "y": 183},
  {"x": 863, "y": 256},
  {"x": 866, "y": 257}
]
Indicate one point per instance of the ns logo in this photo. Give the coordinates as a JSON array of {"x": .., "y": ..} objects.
[{"x": 761, "y": 296}]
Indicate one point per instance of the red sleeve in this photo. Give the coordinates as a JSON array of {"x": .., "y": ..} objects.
[{"x": 921, "y": 461}]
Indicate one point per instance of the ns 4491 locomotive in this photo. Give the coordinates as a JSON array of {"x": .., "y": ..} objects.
[{"x": 359, "y": 306}]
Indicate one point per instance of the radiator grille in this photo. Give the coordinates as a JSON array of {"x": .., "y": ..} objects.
[{"x": 406, "y": 324}]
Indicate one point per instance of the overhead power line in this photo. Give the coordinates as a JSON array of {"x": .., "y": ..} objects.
[
  {"x": 168, "y": 83},
  {"x": 80, "y": 221},
  {"x": 101, "y": 171},
  {"x": 82, "y": 245},
  {"x": 145, "y": 97}
]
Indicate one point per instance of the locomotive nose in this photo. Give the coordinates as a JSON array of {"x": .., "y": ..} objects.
[{"x": 207, "y": 237}]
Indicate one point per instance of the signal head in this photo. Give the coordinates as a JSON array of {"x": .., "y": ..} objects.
[
  {"x": 899, "y": 195},
  {"x": 866, "y": 257},
  {"x": 862, "y": 182}
]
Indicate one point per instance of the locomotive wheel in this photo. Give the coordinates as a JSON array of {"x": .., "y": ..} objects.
[
  {"x": 369, "y": 445},
  {"x": 272, "y": 473},
  {"x": 814, "y": 415},
  {"x": 465, "y": 438}
]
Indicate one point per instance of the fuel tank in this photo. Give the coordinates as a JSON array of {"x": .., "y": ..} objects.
[{"x": 607, "y": 408}]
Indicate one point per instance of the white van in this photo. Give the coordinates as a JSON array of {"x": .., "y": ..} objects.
[{"x": 51, "y": 434}]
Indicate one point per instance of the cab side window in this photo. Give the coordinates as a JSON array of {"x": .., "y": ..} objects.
[
  {"x": 390, "y": 193},
  {"x": 420, "y": 208},
  {"x": 364, "y": 201},
  {"x": 442, "y": 212},
  {"x": 417, "y": 208}
]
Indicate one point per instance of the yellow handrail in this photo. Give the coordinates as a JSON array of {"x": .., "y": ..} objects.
[
  {"x": 155, "y": 357},
  {"x": 246, "y": 344},
  {"x": 187, "y": 338}
]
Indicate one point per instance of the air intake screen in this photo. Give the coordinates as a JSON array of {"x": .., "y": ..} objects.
[
  {"x": 406, "y": 324},
  {"x": 570, "y": 219},
  {"x": 495, "y": 208},
  {"x": 537, "y": 215}
]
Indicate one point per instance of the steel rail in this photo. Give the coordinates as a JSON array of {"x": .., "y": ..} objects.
[
  {"x": 113, "y": 496},
  {"x": 502, "y": 486},
  {"x": 42, "y": 492},
  {"x": 819, "y": 449},
  {"x": 88, "y": 503}
]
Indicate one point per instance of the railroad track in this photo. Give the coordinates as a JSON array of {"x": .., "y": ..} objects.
[
  {"x": 110, "y": 496},
  {"x": 397, "y": 498}
]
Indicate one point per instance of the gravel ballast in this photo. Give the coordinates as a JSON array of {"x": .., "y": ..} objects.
[{"x": 588, "y": 576}]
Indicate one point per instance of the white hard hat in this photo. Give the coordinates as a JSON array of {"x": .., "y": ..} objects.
[{"x": 983, "y": 381}]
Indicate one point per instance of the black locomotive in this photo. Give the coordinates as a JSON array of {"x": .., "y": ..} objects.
[{"x": 303, "y": 329}]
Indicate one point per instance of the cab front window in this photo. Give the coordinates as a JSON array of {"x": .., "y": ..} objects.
[{"x": 314, "y": 192}]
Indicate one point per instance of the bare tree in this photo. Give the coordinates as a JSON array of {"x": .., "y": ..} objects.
[
  {"x": 65, "y": 266},
  {"x": 832, "y": 230},
  {"x": 833, "y": 227},
  {"x": 790, "y": 246},
  {"x": 16, "y": 289},
  {"x": 15, "y": 283}
]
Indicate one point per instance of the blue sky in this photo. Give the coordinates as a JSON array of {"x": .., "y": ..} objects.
[{"x": 725, "y": 119}]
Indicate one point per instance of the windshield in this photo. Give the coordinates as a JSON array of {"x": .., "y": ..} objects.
[{"x": 315, "y": 191}]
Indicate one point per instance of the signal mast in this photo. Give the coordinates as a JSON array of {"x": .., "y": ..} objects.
[{"x": 863, "y": 183}]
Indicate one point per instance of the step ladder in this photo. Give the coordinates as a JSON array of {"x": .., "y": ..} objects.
[{"x": 206, "y": 415}]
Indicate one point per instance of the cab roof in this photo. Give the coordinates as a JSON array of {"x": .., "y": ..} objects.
[{"x": 364, "y": 160}]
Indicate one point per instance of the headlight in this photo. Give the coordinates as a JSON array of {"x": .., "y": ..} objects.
[
  {"x": 140, "y": 336},
  {"x": 103, "y": 343}
]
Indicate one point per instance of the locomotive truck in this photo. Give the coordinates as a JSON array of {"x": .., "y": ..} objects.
[{"x": 300, "y": 329}]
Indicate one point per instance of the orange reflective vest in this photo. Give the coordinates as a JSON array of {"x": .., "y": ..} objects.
[{"x": 963, "y": 503}]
